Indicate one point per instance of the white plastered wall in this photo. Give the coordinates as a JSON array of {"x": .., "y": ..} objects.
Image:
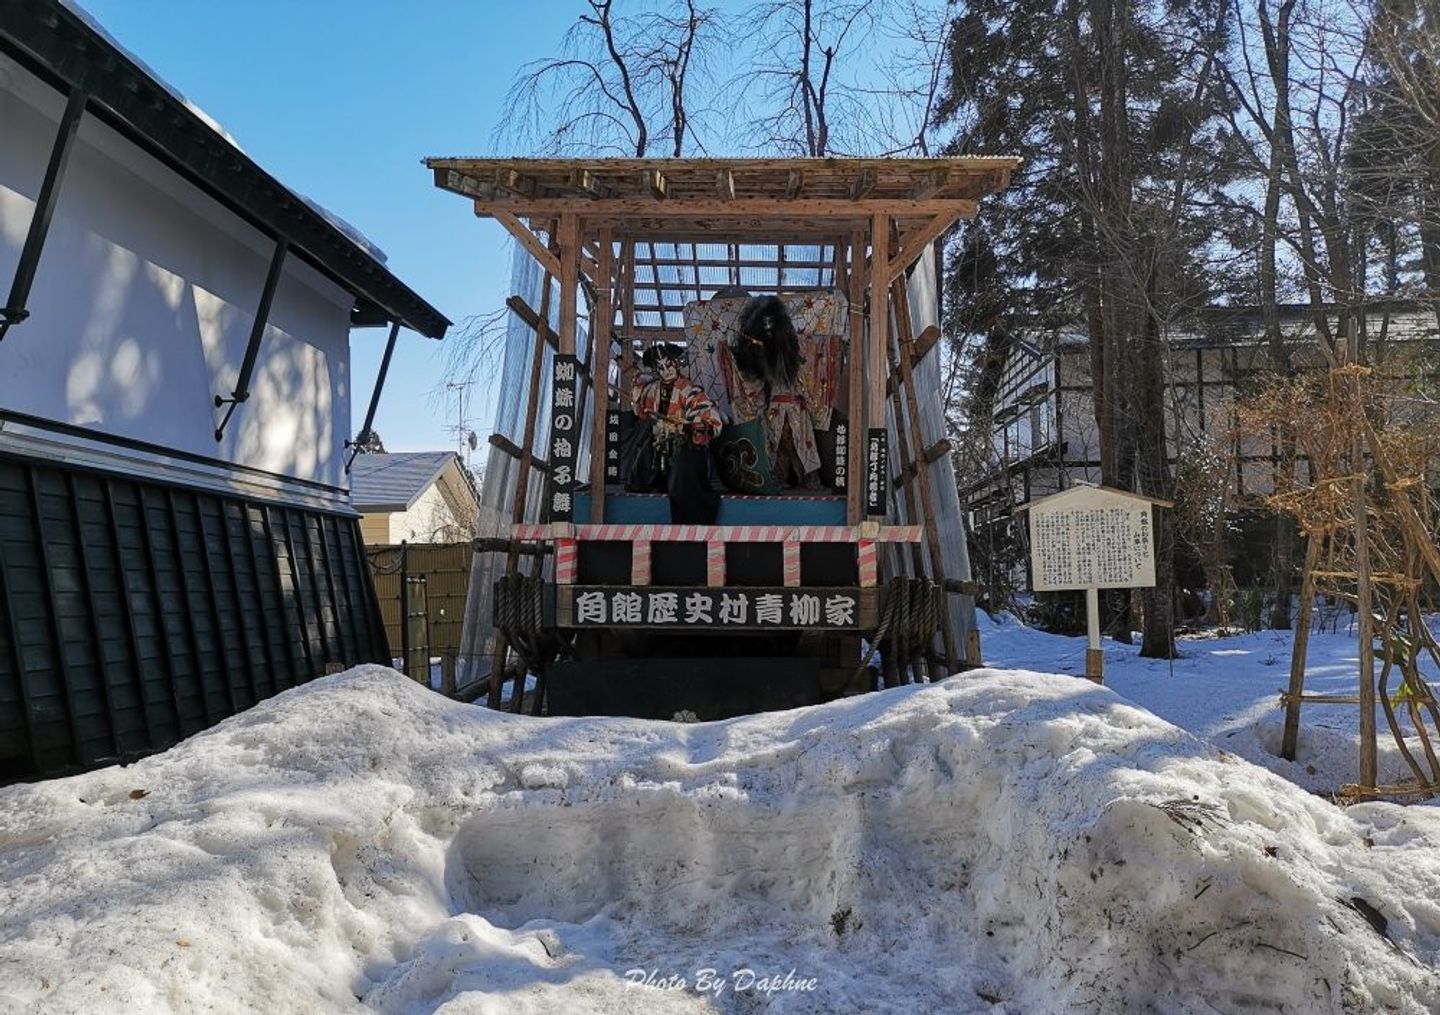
[{"x": 142, "y": 308}]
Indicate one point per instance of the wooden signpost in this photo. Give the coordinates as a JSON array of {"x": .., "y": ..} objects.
[{"x": 1092, "y": 538}]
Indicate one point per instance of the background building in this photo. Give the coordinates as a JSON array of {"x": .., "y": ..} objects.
[
  {"x": 1036, "y": 409},
  {"x": 176, "y": 536}
]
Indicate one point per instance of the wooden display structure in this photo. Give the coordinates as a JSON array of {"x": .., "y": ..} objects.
[
  {"x": 1092, "y": 538},
  {"x": 614, "y": 228}
]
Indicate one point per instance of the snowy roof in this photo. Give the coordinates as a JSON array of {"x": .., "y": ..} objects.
[
  {"x": 68, "y": 48},
  {"x": 394, "y": 482}
]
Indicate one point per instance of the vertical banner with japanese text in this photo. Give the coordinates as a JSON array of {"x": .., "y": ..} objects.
[
  {"x": 564, "y": 439},
  {"x": 612, "y": 446},
  {"x": 841, "y": 430},
  {"x": 877, "y": 470}
]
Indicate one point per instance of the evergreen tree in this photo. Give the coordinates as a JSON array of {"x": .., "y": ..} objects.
[{"x": 1119, "y": 111}]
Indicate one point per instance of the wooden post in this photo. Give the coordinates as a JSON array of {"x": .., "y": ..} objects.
[
  {"x": 1364, "y": 612},
  {"x": 1094, "y": 654},
  {"x": 1364, "y": 608},
  {"x": 879, "y": 342},
  {"x": 627, "y": 318},
  {"x": 855, "y": 355},
  {"x": 1301, "y": 648},
  {"x": 569, "y": 256},
  {"x": 601, "y": 325}
]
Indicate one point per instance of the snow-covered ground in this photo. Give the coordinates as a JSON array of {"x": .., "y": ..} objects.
[
  {"x": 1227, "y": 690},
  {"x": 1004, "y": 841}
]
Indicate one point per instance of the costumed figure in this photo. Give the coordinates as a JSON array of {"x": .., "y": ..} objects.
[
  {"x": 678, "y": 421},
  {"x": 767, "y": 382}
]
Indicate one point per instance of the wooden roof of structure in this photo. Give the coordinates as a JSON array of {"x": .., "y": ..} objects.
[{"x": 706, "y": 198}]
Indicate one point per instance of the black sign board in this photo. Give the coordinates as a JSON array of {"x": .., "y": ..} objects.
[
  {"x": 841, "y": 429},
  {"x": 612, "y": 446},
  {"x": 564, "y": 439},
  {"x": 877, "y": 470},
  {"x": 717, "y": 609}
]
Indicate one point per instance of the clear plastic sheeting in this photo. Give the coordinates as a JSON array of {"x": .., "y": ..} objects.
[
  {"x": 670, "y": 275},
  {"x": 923, "y": 291},
  {"x": 502, "y": 471}
]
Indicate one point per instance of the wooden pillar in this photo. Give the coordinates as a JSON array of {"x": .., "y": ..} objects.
[
  {"x": 1300, "y": 651},
  {"x": 569, "y": 256},
  {"x": 1094, "y": 654},
  {"x": 855, "y": 479},
  {"x": 601, "y": 326},
  {"x": 627, "y": 317},
  {"x": 875, "y": 360}
]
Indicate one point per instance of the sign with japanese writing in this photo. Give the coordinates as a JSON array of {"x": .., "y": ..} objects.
[
  {"x": 841, "y": 430},
  {"x": 612, "y": 446},
  {"x": 717, "y": 609},
  {"x": 877, "y": 470},
  {"x": 564, "y": 438},
  {"x": 1092, "y": 538}
]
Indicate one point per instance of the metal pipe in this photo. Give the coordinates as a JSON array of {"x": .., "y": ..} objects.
[
  {"x": 363, "y": 437},
  {"x": 257, "y": 332},
  {"x": 14, "y": 310}
]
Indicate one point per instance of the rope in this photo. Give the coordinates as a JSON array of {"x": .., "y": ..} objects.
[{"x": 909, "y": 618}]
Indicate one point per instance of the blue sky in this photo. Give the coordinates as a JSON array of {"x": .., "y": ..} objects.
[{"x": 340, "y": 99}]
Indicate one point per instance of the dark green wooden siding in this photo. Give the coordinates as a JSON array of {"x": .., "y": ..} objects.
[{"x": 133, "y": 614}]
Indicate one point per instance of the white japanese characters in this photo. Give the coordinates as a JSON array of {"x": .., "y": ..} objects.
[{"x": 712, "y": 608}]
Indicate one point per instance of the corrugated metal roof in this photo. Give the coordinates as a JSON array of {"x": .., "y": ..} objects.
[{"x": 393, "y": 482}]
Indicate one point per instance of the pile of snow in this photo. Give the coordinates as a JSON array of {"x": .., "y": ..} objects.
[
  {"x": 1002, "y": 842},
  {"x": 1227, "y": 690}
]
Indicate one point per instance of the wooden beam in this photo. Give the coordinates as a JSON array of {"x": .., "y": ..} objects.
[
  {"x": 926, "y": 341},
  {"x": 930, "y": 184},
  {"x": 532, "y": 243},
  {"x": 863, "y": 185},
  {"x": 514, "y": 182},
  {"x": 725, "y": 184},
  {"x": 522, "y": 310},
  {"x": 794, "y": 183},
  {"x": 751, "y": 208},
  {"x": 601, "y": 324},
  {"x": 627, "y": 314},
  {"x": 654, "y": 181},
  {"x": 584, "y": 181},
  {"x": 917, "y": 242},
  {"x": 938, "y": 450},
  {"x": 509, "y": 447},
  {"x": 569, "y": 278}
]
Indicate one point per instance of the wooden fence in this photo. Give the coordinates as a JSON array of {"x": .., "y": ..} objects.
[{"x": 439, "y": 582}]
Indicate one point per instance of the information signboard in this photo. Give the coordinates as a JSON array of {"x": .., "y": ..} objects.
[{"x": 1092, "y": 538}]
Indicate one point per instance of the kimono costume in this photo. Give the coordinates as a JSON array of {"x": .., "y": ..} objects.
[
  {"x": 679, "y": 464},
  {"x": 789, "y": 420}
]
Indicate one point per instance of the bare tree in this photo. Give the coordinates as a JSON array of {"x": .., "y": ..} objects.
[
  {"x": 799, "y": 87},
  {"x": 913, "y": 74},
  {"x": 621, "y": 86}
]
